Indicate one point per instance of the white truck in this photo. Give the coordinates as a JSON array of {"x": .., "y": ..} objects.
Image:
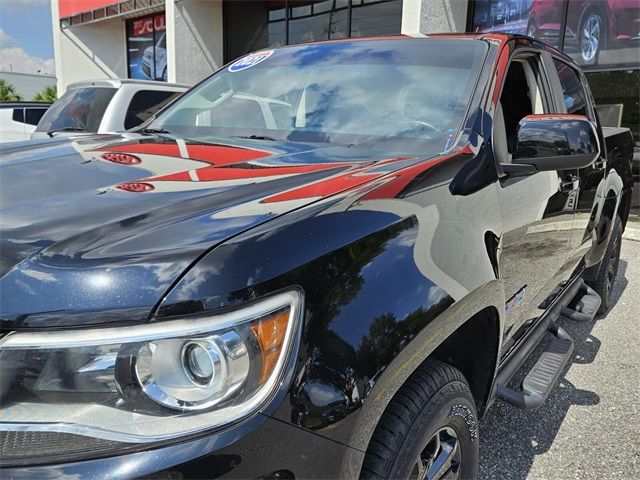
[
  {"x": 106, "y": 106},
  {"x": 18, "y": 120}
]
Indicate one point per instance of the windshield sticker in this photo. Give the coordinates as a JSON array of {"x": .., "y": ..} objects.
[{"x": 249, "y": 61}]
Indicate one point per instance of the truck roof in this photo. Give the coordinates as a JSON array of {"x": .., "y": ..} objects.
[
  {"x": 501, "y": 38},
  {"x": 23, "y": 104},
  {"x": 118, "y": 82}
]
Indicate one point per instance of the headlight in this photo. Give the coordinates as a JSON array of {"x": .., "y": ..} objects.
[{"x": 101, "y": 390}]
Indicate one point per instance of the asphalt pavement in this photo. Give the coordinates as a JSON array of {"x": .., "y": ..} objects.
[{"x": 589, "y": 427}]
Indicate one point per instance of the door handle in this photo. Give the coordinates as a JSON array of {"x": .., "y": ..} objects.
[
  {"x": 600, "y": 163},
  {"x": 570, "y": 183}
]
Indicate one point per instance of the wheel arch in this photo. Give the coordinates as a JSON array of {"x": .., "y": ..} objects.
[
  {"x": 476, "y": 322},
  {"x": 473, "y": 349}
]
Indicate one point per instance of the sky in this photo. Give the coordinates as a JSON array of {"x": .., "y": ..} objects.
[{"x": 26, "y": 41}]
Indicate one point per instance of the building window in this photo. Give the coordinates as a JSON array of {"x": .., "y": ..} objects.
[
  {"x": 253, "y": 25},
  {"x": 370, "y": 18},
  {"x": 147, "y": 47}
]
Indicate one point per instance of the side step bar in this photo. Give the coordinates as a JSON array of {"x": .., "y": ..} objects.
[
  {"x": 577, "y": 302},
  {"x": 541, "y": 379},
  {"x": 584, "y": 306}
]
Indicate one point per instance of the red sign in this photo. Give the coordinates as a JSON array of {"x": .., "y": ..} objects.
[
  {"x": 145, "y": 25},
  {"x": 68, "y": 8}
]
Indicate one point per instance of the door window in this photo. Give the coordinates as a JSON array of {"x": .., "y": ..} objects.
[
  {"x": 573, "y": 92},
  {"x": 522, "y": 95}
]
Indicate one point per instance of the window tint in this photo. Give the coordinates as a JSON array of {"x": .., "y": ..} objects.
[
  {"x": 33, "y": 115},
  {"x": 144, "y": 104},
  {"x": 572, "y": 89},
  {"x": 18, "y": 115}
]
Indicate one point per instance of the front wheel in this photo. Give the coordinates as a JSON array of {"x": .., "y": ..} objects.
[{"x": 429, "y": 429}]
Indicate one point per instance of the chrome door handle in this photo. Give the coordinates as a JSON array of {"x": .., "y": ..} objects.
[{"x": 600, "y": 163}]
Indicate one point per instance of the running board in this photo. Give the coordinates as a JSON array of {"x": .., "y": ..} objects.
[
  {"x": 584, "y": 306},
  {"x": 541, "y": 379}
]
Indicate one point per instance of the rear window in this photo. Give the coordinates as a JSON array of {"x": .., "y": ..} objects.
[
  {"x": 79, "y": 109},
  {"x": 144, "y": 104}
]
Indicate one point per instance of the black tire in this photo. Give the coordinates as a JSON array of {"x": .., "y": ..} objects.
[
  {"x": 589, "y": 44},
  {"x": 433, "y": 412},
  {"x": 602, "y": 277}
]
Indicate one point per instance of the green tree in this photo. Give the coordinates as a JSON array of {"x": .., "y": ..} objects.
[
  {"x": 49, "y": 94},
  {"x": 8, "y": 92}
]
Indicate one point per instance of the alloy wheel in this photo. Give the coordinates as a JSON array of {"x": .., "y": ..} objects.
[
  {"x": 440, "y": 458},
  {"x": 591, "y": 32}
]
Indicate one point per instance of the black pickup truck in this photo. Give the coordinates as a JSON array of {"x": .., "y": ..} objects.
[{"x": 326, "y": 260}]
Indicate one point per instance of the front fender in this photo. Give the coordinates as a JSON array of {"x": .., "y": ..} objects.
[{"x": 387, "y": 273}]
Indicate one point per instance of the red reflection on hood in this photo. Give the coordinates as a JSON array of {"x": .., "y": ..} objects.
[
  {"x": 166, "y": 149},
  {"x": 213, "y": 174},
  {"x": 136, "y": 187},
  {"x": 333, "y": 185},
  {"x": 399, "y": 180},
  {"x": 123, "y": 158},
  {"x": 213, "y": 154}
]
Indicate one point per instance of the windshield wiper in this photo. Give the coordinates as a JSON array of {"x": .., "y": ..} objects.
[
  {"x": 66, "y": 129},
  {"x": 256, "y": 137},
  {"x": 153, "y": 131}
]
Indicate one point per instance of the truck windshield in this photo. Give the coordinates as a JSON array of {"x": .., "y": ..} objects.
[
  {"x": 393, "y": 94},
  {"x": 79, "y": 109}
]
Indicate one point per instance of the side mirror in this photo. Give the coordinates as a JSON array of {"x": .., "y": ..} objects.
[{"x": 556, "y": 142}]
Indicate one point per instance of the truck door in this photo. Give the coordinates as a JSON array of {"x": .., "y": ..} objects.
[
  {"x": 538, "y": 210},
  {"x": 576, "y": 100}
]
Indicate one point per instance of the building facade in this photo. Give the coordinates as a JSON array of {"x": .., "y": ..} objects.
[
  {"x": 28, "y": 84},
  {"x": 186, "y": 40}
]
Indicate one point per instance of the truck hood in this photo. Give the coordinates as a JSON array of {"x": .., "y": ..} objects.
[{"x": 98, "y": 229}]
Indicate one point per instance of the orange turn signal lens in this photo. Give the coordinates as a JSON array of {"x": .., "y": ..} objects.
[{"x": 270, "y": 333}]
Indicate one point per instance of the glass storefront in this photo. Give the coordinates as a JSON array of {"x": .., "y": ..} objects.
[
  {"x": 253, "y": 25},
  {"x": 599, "y": 35},
  {"x": 147, "y": 47}
]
